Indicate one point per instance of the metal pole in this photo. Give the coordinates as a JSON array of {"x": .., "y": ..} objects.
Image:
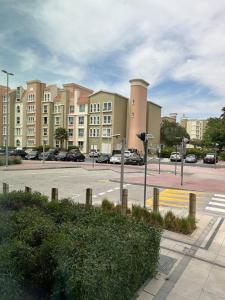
[
  {"x": 122, "y": 169},
  {"x": 7, "y": 125},
  {"x": 93, "y": 158},
  {"x": 182, "y": 161},
  {"x": 159, "y": 159},
  {"x": 175, "y": 172},
  {"x": 145, "y": 180},
  {"x": 43, "y": 160}
]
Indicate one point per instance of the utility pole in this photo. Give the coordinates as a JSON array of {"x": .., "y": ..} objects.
[{"x": 123, "y": 140}]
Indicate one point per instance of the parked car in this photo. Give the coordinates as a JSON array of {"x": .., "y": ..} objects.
[
  {"x": 128, "y": 153},
  {"x": 18, "y": 152},
  {"x": 54, "y": 151},
  {"x": 175, "y": 156},
  {"x": 2, "y": 152},
  {"x": 49, "y": 156},
  {"x": 33, "y": 155},
  {"x": 61, "y": 156},
  {"x": 103, "y": 158},
  {"x": 135, "y": 160},
  {"x": 115, "y": 159},
  {"x": 75, "y": 156},
  {"x": 191, "y": 158},
  {"x": 93, "y": 153},
  {"x": 210, "y": 158}
]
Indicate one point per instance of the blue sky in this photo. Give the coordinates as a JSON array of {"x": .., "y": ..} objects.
[{"x": 178, "y": 46}]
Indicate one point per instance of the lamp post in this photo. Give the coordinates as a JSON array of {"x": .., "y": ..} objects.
[
  {"x": 216, "y": 145},
  {"x": 7, "y": 120},
  {"x": 183, "y": 143}
]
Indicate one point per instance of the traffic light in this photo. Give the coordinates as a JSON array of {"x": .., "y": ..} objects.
[{"x": 142, "y": 136}]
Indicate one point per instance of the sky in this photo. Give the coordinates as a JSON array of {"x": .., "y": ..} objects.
[{"x": 178, "y": 46}]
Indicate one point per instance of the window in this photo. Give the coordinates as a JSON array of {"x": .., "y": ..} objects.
[
  {"x": 81, "y": 132},
  {"x": 47, "y": 97},
  {"x": 107, "y": 106},
  {"x": 81, "y": 120},
  {"x": 57, "y": 120},
  {"x": 30, "y": 131},
  {"x": 45, "y": 131},
  {"x": 18, "y": 109},
  {"x": 30, "y": 97},
  {"x": 71, "y": 109},
  {"x": 94, "y": 120},
  {"x": 70, "y": 143},
  {"x": 30, "y": 142},
  {"x": 45, "y": 120},
  {"x": 17, "y": 143},
  {"x": 57, "y": 143},
  {"x": 18, "y": 131},
  {"x": 95, "y": 107},
  {"x": 31, "y": 108},
  {"x": 17, "y": 120},
  {"x": 4, "y": 98},
  {"x": 56, "y": 109},
  {"x": 4, "y": 130},
  {"x": 70, "y": 120},
  {"x": 30, "y": 120},
  {"x": 107, "y": 119},
  {"x": 45, "y": 109},
  {"x": 4, "y": 120},
  {"x": 70, "y": 132},
  {"x": 81, "y": 145},
  {"x": 82, "y": 108},
  {"x": 94, "y": 132},
  {"x": 106, "y": 132},
  {"x": 4, "y": 109}
]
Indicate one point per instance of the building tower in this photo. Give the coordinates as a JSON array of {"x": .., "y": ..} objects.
[{"x": 137, "y": 112}]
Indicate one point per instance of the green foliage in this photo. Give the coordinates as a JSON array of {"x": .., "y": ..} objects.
[
  {"x": 184, "y": 225},
  {"x": 215, "y": 132},
  {"x": 62, "y": 250},
  {"x": 13, "y": 160},
  {"x": 200, "y": 153},
  {"x": 166, "y": 151},
  {"x": 61, "y": 135},
  {"x": 222, "y": 156},
  {"x": 73, "y": 147},
  {"x": 40, "y": 148},
  {"x": 107, "y": 205},
  {"x": 169, "y": 132}
]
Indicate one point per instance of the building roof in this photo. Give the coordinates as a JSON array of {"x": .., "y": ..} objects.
[
  {"x": 140, "y": 80},
  {"x": 107, "y": 92},
  {"x": 77, "y": 85},
  {"x": 148, "y": 101}
]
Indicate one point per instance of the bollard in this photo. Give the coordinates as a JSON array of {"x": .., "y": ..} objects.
[
  {"x": 88, "y": 196},
  {"x": 124, "y": 202},
  {"x": 28, "y": 189},
  {"x": 5, "y": 188},
  {"x": 192, "y": 205},
  {"x": 155, "y": 200},
  {"x": 55, "y": 194}
]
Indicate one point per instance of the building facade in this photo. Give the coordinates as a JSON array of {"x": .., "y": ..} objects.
[
  {"x": 91, "y": 119},
  {"x": 194, "y": 127}
]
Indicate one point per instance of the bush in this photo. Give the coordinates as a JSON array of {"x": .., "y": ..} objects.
[
  {"x": 222, "y": 156},
  {"x": 73, "y": 147},
  {"x": 13, "y": 160},
  {"x": 166, "y": 152},
  {"x": 62, "y": 250},
  {"x": 200, "y": 153}
]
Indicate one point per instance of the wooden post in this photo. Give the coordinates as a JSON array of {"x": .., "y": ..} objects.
[
  {"x": 192, "y": 205},
  {"x": 5, "y": 188},
  {"x": 155, "y": 200},
  {"x": 55, "y": 195},
  {"x": 28, "y": 189},
  {"x": 88, "y": 196},
  {"x": 124, "y": 202}
]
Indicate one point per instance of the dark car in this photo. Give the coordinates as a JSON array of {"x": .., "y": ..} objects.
[
  {"x": 135, "y": 160},
  {"x": 210, "y": 158},
  {"x": 75, "y": 156},
  {"x": 33, "y": 155},
  {"x": 103, "y": 158},
  {"x": 48, "y": 156},
  {"x": 53, "y": 151},
  {"x": 62, "y": 156},
  {"x": 191, "y": 158},
  {"x": 2, "y": 152}
]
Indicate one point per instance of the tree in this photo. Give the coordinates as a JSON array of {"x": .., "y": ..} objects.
[
  {"x": 196, "y": 143},
  {"x": 61, "y": 135},
  {"x": 215, "y": 133},
  {"x": 171, "y": 133},
  {"x": 222, "y": 116}
]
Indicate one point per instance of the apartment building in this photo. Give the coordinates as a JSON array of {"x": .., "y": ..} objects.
[
  {"x": 3, "y": 91},
  {"x": 194, "y": 127},
  {"x": 107, "y": 117},
  {"x": 171, "y": 118}
]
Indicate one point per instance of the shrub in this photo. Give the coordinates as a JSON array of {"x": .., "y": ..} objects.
[
  {"x": 107, "y": 205},
  {"x": 171, "y": 221},
  {"x": 222, "y": 155},
  {"x": 51, "y": 250},
  {"x": 73, "y": 147},
  {"x": 13, "y": 160},
  {"x": 166, "y": 151}
]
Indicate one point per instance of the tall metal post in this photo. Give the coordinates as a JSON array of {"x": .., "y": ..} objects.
[
  {"x": 43, "y": 159},
  {"x": 159, "y": 159},
  {"x": 175, "y": 171},
  {"x": 182, "y": 161},
  {"x": 122, "y": 169},
  {"x": 146, "y": 164},
  {"x": 7, "y": 125}
]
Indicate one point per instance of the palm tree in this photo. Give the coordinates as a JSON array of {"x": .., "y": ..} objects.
[
  {"x": 222, "y": 116},
  {"x": 61, "y": 135}
]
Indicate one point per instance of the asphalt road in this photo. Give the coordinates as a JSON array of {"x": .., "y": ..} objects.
[{"x": 73, "y": 182}]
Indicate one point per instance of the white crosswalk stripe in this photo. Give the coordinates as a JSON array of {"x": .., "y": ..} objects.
[{"x": 216, "y": 204}]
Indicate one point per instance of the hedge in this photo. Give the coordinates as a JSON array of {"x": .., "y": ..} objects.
[
  {"x": 13, "y": 160},
  {"x": 64, "y": 250}
]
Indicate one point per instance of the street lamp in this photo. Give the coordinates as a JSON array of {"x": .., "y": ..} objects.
[
  {"x": 144, "y": 137},
  {"x": 183, "y": 143},
  {"x": 7, "y": 120},
  {"x": 123, "y": 141}
]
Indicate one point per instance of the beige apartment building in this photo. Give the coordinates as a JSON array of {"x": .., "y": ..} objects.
[
  {"x": 171, "y": 118},
  {"x": 194, "y": 127},
  {"x": 91, "y": 119}
]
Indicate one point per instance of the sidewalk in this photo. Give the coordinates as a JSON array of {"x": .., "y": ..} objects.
[{"x": 191, "y": 267}]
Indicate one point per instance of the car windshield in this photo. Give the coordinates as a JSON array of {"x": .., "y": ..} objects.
[
  {"x": 33, "y": 153},
  {"x": 62, "y": 153},
  {"x": 175, "y": 153},
  {"x": 117, "y": 155},
  {"x": 210, "y": 155},
  {"x": 191, "y": 156}
]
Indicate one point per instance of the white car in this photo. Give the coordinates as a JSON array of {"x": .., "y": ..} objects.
[
  {"x": 94, "y": 153},
  {"x": 115, "y": 159},
  {"x": 175, "y": 156},
  {"x": 128, "y": 153}
]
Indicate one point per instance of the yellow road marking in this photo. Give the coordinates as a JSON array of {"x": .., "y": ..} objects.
[{"x": 174, "y": 191}]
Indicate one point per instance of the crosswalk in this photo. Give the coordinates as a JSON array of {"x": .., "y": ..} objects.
[
  {"x": 216, "y": 204},
  {"x": 176, "y": 198}
]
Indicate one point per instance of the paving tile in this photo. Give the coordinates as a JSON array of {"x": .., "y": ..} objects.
[
  {"x": 144, "y": 296},
  {"x": 206, "y": 254},
  {"x": 209, "y": 296},
  {"x": 154, "y": 285},
  {"x": 175, "y": 296},
  {"x": 215, "y": 283}
]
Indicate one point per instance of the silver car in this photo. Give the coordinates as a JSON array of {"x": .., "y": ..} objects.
[
  {"x": 175, "y": 156},
  {"x": 115, "y": 159}
]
